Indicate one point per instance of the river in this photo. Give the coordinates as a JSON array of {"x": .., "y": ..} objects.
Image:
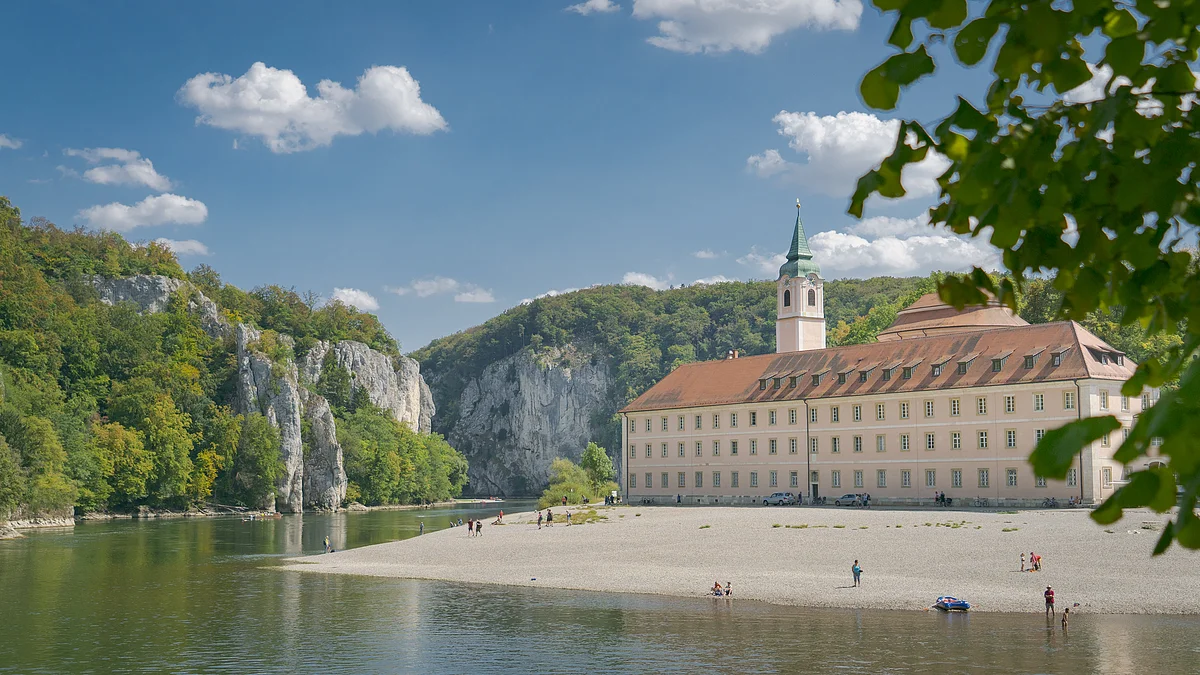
[{"x": 199, "y": 596}]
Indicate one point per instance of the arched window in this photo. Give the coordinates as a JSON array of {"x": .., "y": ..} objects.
[
  {"x": 787, "y": 298},
  {"x": 812, "y": 298}
]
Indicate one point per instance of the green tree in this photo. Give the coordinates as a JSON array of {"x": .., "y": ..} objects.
[
  {"x": 12, "y": 479},
  {"x": 127, "y": 466},
  {"x": 257, "y": 465},
  {"x": 598, "y": 465},
  {"x": 1103, "y": 192},
  {"x": 568, "y": 479}
]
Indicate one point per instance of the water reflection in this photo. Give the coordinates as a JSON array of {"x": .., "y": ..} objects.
[{"x": 198, "y": 596}]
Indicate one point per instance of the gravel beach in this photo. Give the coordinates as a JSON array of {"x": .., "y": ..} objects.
[{"x": 802, "y": 556}]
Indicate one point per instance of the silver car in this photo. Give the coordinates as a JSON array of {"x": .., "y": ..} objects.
[
  {"x": 848, "y": 499},
  {"x": 780, "y": 499}
]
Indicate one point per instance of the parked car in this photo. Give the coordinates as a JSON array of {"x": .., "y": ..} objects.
[
  {"x": 848, "y": 499},
  {"x": 780, "y": 499}
]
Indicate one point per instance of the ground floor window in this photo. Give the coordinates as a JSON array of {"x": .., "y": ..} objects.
[
  {"x": 699, "y": 479},
  {"x": 682, "y": 479},
  {"x": 649, "y": 480},
  {"x": 795, "y": 479},
  {"x": 1040, "y": 482},
  {"x": 881, "y": 478},
  {"x": 716, "y": 479},
  {"x": 1011, "y": 477},
  {"x": 906, "y": 478},
  {"x": 858, "y": 479},
  {"x": 753, "y": 479},
  {"x": 983, "y": 478},
  {"x": 1072, "y": 477},
  {"x": 633, "y": 481},
  {"x": 1106, "y": 476},
  {"x": 665, "y": 480},
  {"x": 774, "y": 479},
  {"x": 956, "y": 478},
  {"x": 733, "y": 479},
  {"x": 930, "y": 478},
  {"x": 835, "y": 479}
]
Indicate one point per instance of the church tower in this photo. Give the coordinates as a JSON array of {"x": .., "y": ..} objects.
[{"x": 800, "y": 302}]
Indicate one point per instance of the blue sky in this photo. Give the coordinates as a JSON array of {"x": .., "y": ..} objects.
[{"x": 547, "y": 149}]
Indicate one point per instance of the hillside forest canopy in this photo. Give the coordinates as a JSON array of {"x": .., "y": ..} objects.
[{"x": 106, "y": 409}]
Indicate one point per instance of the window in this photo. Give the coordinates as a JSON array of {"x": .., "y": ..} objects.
[
  {"x": 906, "y": 373},
  {"x": 879, "y": 411},
  {"x": 792, "y": 382},
  {"x": 858, "y": 413},
  {"x": 1068, "y": 400},
  {"x": 982, "y": 440},
  {"x": 930, "y": 478},
  {"x": 1125, "y": 434},
  {"x": 1072, "y": 477},
  {"x": 774, "y": 478},
  {"x": 862, "y": 375},
  {"x": 716, "y": 420},
  {"x": 792, "y": 446},
  {"x": 632, "y": 425},
  {"x": 962, "y": 367},
  {"x": 812, "y": 416},
  {"x": 812, "y": 298},
  {"x": 1039, "y": 402},
  {"x": 1124, "y": 404},
  {"x": 647, "y": 424},
  {"x": 753, "y": 479},
  {"x": 633, "y": 452},
  {"x": 816, "y": 380},
  {"x": 955, "y": 407},
  {"x": 1104, "y": 400},
  {"x": 858, "y": 443},
  {"x": 716, "y": 449},
  {"x": 732, "y": 420},
  {"x": 1056, "y": 360},
  {"x": 773, "y": 446},
  {"x": 1010, "y": 404},
  {"x": 699, "y": 479},
  {"x": 983, "y": 478},
  {"x": 1106, "y": 477},
  {"x": 836, "y": 444},
  {"x": 1029, "y": 362},
  {"x": 841, "y": 378},
  {"x": 633, "y": 481},
  {"x": 887, "y": 374},
  {"x": 665, "y": 480},
  {"x": 1010, "y": 438},
  {"x": 682, "y": 479},
  {"x": 1105, "y": 441},
  {"x": 762, "y": 384},
  {"x": 1010, "y": 477},
  {"x": 699, "y": 449},
  {"x": 937, "y": 369},
  {"x": 997, "y": 365},
  {"x": 753, "y": 418},
  {"x": 955, "y": 440},
  {"x": 649, "y": 480},
  {"x": 1145, "y": 401},
  {"x": 905, "y": 478},
  {"x": 716, "y": 479},
  {"x": 814, "y": 477},
  {"x": 813, "y": 445},
  {"x": 981, "y": 405},
  {"x": 835, "y": 479},
  {"x": 787, "y": 298},
  {"x": 681, "y": 450},
  {"x": 754, "y": 446},
  {"x": 1039, "y": 481},
  {"x": 681, "y": 422},
  {"x": 699, "y": 421},
  {"x": 664, "y": 424},
  {"x": 956, "y": 478},
  {"x": 930, "y": 444},
  {"x": 648, "y": 450},
  {"x": 880, "y": 443},
  {"x": 929, "y": 408},
  {"x": 904, "y": 410},
  {"x": 733, "y": 479},
  {"x": 881, "y": 478},
  {"x": 733, "y": 447},
  {"x": 664, "y": 449},
  {"x": 771, "y": 417},
  {"x": 833, "y": 414},
  {"x": 858, "y": 479},
  {"x": 794, "y": 479},
  {"x": 904, "y": 442}
]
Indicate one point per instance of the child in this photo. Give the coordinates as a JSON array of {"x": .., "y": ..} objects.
[
  {"x": 540, "y": 521},
  {"x": 1066, "y": 611},
  {"x": 857, "y": 573},
  {"x": 1022, "y": 561}
]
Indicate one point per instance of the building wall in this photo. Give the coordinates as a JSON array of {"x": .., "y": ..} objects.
[
  {"x": 671, "y": 450},
  {"x": 799, "y": 326}
]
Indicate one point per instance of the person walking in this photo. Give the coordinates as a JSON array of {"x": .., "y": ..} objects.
[
  {"x": 549, "y": 518},
  {"x": 470, "y": 527},
  {"x": 1022, "y": 561},
  {"x": 479, "y": 528},
  {"x": 327, "y": 544},
  {"x": 422, "y": 528},
  {"x": 857, "y": 571},
  {"x": 568, "y": 518},
  {"x": 1049, "y": 595},
  {"x": 540, "y": 522}
]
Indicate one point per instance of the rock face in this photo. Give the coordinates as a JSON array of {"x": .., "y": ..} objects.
[
  {"x": 152, "y": 294},
  {"x": 271, "y": 388},
  {"x": 522, "y": 412},
  {"x": 324, "y": 472},
  {"x": 398, "y": 389}
]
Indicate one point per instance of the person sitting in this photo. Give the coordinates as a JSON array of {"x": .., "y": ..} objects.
[
  {"x": 716, "y": 589},
  {"x": 728, "y": 588}
]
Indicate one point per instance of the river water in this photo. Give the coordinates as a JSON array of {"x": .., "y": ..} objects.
[{"x": 199, "y": 596}]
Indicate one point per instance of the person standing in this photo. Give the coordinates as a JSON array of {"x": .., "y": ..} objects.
[
  {"x": 422, "y": 528},
  {"x": 857, "y": 571},
  {"x": 479, "y": 528},
  {"x": 470, "y": 527},
  {"x": 1022, "y": 561},
  {"x": 540, "y": 522},
  {"x": 1066, "y": 611},
  {"x": 564, "y": 500},
  {"x": 549, "y": 518},
  {"x": 1049, "y": 595},
  {"x": 327, "y": 544},
  {"x": 568, "y": 518}
]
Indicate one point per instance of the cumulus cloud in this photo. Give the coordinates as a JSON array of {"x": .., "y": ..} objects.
[
  {"x": 183, "y": 246},
  {"x": 594, "y": 7},
  {"x": 898, "y": 247},
  {"x": 156, "y": 210},
  {"x": 717, "y": 26},
  {"x": 765, "y": 264},
  {"x": 548, "y": 294},
  {"x": 706, "y": 254},
  {"x": 647, "y": 280},
  {"x": 274, "y": 105},
  {"x": 119, "y": 167},
  {"x": 839, "y": 150},
  {"x": 718, "y": 279},
  {"x": 356, "y": 298},
  {"x": 1103, "y": 83},
  {"x": 463, "y": 292},
  {"x": 10, "y": 143}
]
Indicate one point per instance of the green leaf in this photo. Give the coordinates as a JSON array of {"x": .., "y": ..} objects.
[
  {"x": 971, "y": 43},
  {"x": 1119, "y": 23},
  {"x": 902, "y": 35},
  {"x": 1164, "y": 542},
  {"x": 1109, "y": 512},
  {"x": 880, "y": 88},
  {"x": 1124, "y": 55},
  {"x": 949, "y": 14},
  {"x": 1058, "y": 448},
  {"x": 877, "y": 90},
  {"x": 1189, "y": 533},
  {"x": 1166, "y": 495}
]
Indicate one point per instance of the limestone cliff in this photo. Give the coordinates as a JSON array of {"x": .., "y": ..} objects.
[
  {"x": 392, "y": 384},
  {"x": 324, "y": 472},
  {"x": 152, "y": 293},
  {"x": 271, "y": 387},
  {"x": 523, "y": 411}
]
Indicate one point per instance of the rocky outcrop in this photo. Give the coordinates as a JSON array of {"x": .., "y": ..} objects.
[
  {"x": 271, "y": 388},
  {"x": 392, "y": 384},
  {"x": 324, "y": 472},
  {"x": 8, "y": 531},
  {"x": 525, "y": 410},
  {"x": 152, "y": 294}
]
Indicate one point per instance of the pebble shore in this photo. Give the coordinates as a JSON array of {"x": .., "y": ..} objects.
[{"x": 802, "y": 556}]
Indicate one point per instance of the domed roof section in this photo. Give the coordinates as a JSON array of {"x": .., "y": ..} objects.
[
  {"x": 799, "y": 258},
  {"x": 930, "y": 316}
]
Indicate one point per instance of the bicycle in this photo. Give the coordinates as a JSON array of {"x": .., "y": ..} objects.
[
  {"x": 1050, "y": 502},
  {"x": 981, "y": 501}
]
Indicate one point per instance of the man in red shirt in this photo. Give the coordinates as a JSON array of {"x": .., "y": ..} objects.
[{"x": 1049, "y": 594}]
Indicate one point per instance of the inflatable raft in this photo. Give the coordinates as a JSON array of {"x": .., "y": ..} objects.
[{"x": 947, "y": 603}]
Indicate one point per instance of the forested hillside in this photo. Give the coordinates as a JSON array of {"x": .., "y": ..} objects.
[{"x": 105, "y": 408}]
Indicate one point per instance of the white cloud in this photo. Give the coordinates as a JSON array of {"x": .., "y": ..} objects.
[
  {"x": 463, "y": 292},
  {"x": 274, "y": 105},
  {"x": 706, "y": 254},
  {"x": 548, "y": 294},
  {"x": 840, "y": 149},
  {"x": 766, "y": 264},
  {"x": 647, "y": 280},
  {"x": 10, "y": 143},
  {"x": 184, "y": 246},
  {"x": 594, "y": 7},
  {"x": 356, "y": 298},
  {"x": 898, "y": 247},
  {"x": 716, "y": 26},
  {"x": 156, "y": 210},
  {"x": 718, "y": 279},
  {"x": 1103, "y": 83},
  {"x": 130, "y": 168}
]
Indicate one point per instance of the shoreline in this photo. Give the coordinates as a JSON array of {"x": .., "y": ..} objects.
[{"x": 802, "y": 557}]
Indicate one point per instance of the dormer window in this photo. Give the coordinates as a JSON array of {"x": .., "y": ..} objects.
[
  {"x": 862, "y": 376},
  {"x": 1120, "y": 359},
  {"x": 999, "y": 360},
  {"x": 762, "y": 384},
  {"x": 778, "y": 381},
  {"x": 1029, "y": 360},
  {"x": 962, "y": 367},
  {"x": 816, "y": 380},
  {"x": 937, "y": 369},
  {"x": 792, "y": 382},
  {"x": 887, "y": 374},
  {"x": 1056, "y": 360},
  {"x": 841, "y": 378},
  {"x": 906, "y": 373}
]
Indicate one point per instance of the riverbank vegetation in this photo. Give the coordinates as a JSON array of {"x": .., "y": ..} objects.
[{"x": 593, "y": 480}]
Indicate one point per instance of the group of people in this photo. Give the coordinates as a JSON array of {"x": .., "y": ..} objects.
[
  {"x": 1049, "y": 596},
  {"x": 549, "y": 519},
  {"x": 718, "y": 591},
  {"x": 1035, "y": 562},
  {"x": 474, "y": 527},
  {"x": 940, "y": 499},
  {"x": 864, "y": 500}
]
